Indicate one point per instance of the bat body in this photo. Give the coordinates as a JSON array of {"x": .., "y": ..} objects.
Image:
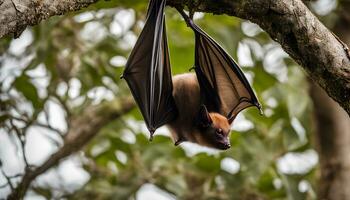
[
  {"x": 196, "y": 107},
  {"x": 193, "y": 122}
]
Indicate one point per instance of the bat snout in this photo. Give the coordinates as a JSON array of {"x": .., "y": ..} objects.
[{"x": 224, "y": 144}]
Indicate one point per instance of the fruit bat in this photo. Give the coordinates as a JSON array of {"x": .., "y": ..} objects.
[{"x": 197, "y": 107}]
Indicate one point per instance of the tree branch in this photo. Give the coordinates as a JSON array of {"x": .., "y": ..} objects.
[
  {"x": 16, "y": 15},
  {"x": 289, "y": 22},
  {"x": 9, "y": 183},
  {"x": 83, "y": 128}
]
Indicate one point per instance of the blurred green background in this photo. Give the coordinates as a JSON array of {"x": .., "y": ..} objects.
[{"x": 68, "y": 63}]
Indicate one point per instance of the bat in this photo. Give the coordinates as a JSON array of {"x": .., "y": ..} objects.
[
  {"x": 197, "y": 107},
  {"x": 194, "y": 122},
  {"x": 148, "y": 72}
]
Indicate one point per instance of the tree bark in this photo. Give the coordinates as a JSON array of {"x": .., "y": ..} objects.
[
  {"x": 83, "y": 128},
  {"x": 333, "y": 146},
  {"x": 16, "y": 15},
  {"x": 333, "y": 132},
  {"x": 289, "y": 22}
]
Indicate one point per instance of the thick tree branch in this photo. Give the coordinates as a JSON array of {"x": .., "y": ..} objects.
[
  {"x": 16, "y": 15},
  {"x": 83, "y": 128},
  {"x": 289, "y": 22}
]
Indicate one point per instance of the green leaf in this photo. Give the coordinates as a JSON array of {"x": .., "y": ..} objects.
[
  {"x": 207, "y": 163},
  {"x": 24, "y": 86}
]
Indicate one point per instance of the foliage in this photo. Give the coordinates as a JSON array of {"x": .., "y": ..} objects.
[{"x": 79, "y": 49}]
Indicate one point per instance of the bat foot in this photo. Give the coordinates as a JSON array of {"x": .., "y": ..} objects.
[
  {"x": 179, "y": 141},
  {"x": 260, "y": 109},
  {"x": 261, "y": 112},
  {"x": 151, "y": 135}
]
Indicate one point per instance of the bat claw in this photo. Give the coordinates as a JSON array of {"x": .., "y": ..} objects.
[
  {"x": 260, "y": 109},
  {"x": 179, "y": 141},
  {"x": 151, "y": 135}
]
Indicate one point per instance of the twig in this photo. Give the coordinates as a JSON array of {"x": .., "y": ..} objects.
[
  {"x": 8, "y": 179},
  {"x": 64, "y": 104},
  {"x": 48, "y": 126},
  {"x": 22, "y": 140},
  {"x": 4, "y": 185}
]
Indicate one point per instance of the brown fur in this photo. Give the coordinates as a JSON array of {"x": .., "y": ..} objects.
[
  {"x": 186, "y": 93},
  {"x": 220, "y": 121}
]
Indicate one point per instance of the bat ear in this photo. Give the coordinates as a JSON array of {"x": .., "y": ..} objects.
[{"x": 204, "y": 117}]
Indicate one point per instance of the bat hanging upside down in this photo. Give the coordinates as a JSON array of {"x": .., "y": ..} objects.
[
  {"x": 197, "y": 107},
  {"x": 194, "y": 123}
]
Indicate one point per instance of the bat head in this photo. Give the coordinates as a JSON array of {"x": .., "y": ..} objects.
[{"x": 214, "y": 129}]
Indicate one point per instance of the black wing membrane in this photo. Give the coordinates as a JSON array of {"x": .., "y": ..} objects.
[
  {"x": 224, "y": 88},
  {"x": 148, "y": 72}
]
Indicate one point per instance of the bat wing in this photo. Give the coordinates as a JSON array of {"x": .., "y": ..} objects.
[
  {"x": 148, "y": 72},
  {"x": 224, "y": 88}
]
